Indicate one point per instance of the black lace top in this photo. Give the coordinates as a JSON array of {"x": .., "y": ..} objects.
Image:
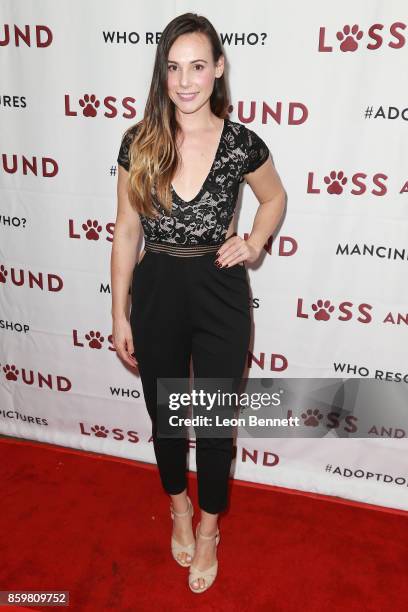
[{"x": 205, "y": 219}]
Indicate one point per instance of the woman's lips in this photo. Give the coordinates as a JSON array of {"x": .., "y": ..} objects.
[{"x": 187, "y": 97}]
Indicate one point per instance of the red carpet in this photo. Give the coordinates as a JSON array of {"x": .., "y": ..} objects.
[{"x": 100, "y": 528}]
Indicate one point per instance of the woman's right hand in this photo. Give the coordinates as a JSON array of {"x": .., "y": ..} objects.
[{"x": 123, "y": 340}]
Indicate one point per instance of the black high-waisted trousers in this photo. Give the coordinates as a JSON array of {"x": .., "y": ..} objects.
[{"x": 182, "y": 308}]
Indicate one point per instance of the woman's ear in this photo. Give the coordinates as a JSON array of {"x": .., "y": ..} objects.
[{"x": 220, "y": 67}]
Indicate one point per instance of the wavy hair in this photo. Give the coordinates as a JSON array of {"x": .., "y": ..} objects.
[{"x": 153, "y": 154}]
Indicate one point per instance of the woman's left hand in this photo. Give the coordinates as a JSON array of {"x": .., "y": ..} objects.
[{"x": 236, "y": 250}]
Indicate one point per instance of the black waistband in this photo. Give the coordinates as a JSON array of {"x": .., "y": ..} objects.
[{"x": 183, "y": 250}]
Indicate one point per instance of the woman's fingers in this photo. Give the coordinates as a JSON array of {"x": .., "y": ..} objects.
[
  {"x": 126, "y": 356},
  {"x": 232, "y": 252},
  {"x": 123, "y": 344},
  {"x": 131, "y": 351}
]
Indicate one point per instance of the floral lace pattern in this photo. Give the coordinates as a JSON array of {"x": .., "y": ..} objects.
[{"x": 205, "y": 219}]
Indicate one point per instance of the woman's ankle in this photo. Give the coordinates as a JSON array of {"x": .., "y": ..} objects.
[
  {"x": 208, "y": 524},
  {"x": 180, "y": 502}
]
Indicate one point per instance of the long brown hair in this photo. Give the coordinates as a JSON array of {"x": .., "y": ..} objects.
[{"x": 153, "y": 153}]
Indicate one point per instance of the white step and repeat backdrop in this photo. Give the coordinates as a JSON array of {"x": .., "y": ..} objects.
[{"x": 325, "y": 86}]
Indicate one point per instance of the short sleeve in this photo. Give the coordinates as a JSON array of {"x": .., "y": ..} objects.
[
  {"x": 123, "y": 158},
  {"x": 256, "y": 151}
]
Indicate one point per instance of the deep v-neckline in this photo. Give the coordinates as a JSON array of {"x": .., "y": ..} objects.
[{"x": 209, "y": 173}]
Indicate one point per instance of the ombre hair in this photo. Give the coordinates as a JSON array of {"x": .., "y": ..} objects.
[{"x": 153, "y": 154}]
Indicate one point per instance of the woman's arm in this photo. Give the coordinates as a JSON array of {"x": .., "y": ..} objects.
[
  {"x": 125, "y": 240},
  {"x": 123, "y": 260},
  {"x": 268, "y": 189}
]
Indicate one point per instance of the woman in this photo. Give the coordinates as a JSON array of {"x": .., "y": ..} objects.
[{"x": 179, "y": 174}]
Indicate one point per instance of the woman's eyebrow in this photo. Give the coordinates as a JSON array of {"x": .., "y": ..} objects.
[{"x": 193, "y": 62}]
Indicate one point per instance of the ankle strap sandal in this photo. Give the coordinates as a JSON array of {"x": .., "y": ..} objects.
[
  {"x": 176, "y": 547},
  {"x": 209, "y": 574}
]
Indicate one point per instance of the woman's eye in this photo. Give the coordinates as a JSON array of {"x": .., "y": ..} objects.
[{"x": 196, "y": 66}]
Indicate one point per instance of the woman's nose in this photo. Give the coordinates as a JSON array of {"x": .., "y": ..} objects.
[{"x": 184, "y": 78}]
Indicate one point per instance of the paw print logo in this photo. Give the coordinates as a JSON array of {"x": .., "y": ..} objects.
[
  {"x": 349, "y": 37},
  {"x": 95, "y": 339},
  {"x": 89, "y": 105},
  {"x": 3, "y": 274},
  {"x": 335, "y": 182},
  {"x": 322, "y": 310},
  {"x": 92, "y": 229},
  {"x": 100, "y": 431},
  {"x": 11, "y": 372},
  {"x": 311, "y": 417}
]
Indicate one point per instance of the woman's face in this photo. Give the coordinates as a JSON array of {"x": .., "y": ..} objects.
[{"x": 191, "y": 70}]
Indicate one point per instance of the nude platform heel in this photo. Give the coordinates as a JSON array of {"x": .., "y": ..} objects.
[
  {"x": 177, "y": 548},
  {"x": 209, "y": 574}
]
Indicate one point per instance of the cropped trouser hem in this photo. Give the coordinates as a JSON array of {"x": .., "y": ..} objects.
[
  {"x": 175, "y": 491},
  {"x": 210, "y": 509},
  {"x": 213, "y": 509}
]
